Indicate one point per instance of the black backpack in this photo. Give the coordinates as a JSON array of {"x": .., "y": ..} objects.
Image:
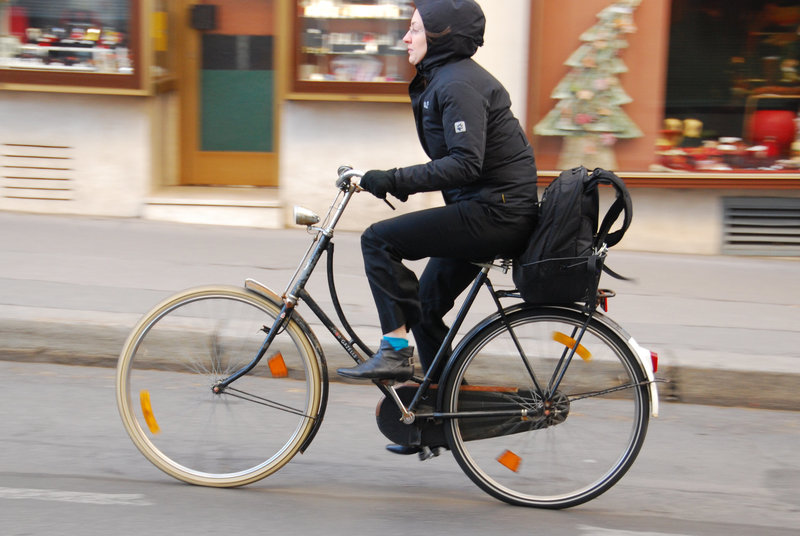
[{"x": 565, "y": 256}]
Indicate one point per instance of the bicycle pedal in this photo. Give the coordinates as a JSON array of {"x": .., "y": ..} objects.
[{"x": 426, "y": 453}]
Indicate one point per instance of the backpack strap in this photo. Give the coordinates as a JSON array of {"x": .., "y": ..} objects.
[
  {"x": 615, "y": 275},
  {"x": 622, "y": 205}
]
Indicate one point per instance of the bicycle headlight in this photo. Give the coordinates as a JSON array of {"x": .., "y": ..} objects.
[{"x": 304, "y": 216}]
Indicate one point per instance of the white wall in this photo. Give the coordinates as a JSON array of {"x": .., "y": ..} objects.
[
  {"x": 505, "y": 53},
  {"x": 102, "y": 143},
  {"x": 677, "y": 221}
]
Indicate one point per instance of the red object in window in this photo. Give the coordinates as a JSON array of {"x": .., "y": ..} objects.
[
  {"x": 773, "y": 128},
  {"x": 18, "y": 22}
]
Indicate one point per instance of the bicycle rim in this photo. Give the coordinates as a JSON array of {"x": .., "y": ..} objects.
[
  {"x": 572, "y": 446},
  {"x": 174, "y": 357}
]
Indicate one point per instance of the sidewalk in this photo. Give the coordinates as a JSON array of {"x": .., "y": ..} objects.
[{"x": 727, "y": 329}]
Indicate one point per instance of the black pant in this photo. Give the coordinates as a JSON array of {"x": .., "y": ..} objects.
[{"x": 452, "y": 236}]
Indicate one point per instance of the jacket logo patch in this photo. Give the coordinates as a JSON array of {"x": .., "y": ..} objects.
[
  {"x": 426, "y": 104},
  {"x": 460, "y": 126}
]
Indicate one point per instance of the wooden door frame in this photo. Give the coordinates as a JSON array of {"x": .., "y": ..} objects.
[{"x": 241, "y": 168}]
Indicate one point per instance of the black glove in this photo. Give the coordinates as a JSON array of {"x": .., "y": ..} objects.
[{"x": 378, "y": 182}]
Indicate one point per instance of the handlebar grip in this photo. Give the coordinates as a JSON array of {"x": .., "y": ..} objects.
[
  {"x": 345, "y": 174},
  {"x": 343, "y": 182}
]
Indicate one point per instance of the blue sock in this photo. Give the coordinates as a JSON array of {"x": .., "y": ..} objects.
[{"x": 397, "y": 343}]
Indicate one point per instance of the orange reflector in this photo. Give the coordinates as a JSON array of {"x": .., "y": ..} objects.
[
  {"x": 510, "y": 460},
  {"x": 569, "y": 342},
  {"x": 277, "y": 366},
  {"x": 147, "y": 411}
]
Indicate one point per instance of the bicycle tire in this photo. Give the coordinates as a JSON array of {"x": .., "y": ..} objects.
[
  {"x": 550, "y": 459},
  {"x": 180, "y": 350}
]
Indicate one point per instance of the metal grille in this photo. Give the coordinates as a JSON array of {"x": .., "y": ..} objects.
[
  {"x": 761, "y": 226},
  {"x": 41, "y": 172}
]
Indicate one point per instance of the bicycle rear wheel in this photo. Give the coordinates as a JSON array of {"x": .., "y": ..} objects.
[
  {"x": 180, "y": 350},
  {"x": 574, "y": 444}
]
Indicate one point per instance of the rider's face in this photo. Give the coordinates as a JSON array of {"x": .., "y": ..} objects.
[{"x": 415, "y": 40}]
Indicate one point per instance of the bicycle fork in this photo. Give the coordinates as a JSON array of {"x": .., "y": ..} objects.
[{"x": 277, "y": 326}]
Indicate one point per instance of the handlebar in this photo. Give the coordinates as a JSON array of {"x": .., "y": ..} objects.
[
  {"x": 345, "y": 174},
  {"x": 343, "y": 182}
]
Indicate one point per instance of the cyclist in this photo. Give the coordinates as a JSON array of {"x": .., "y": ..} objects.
[{"x": 482, "y": 163}]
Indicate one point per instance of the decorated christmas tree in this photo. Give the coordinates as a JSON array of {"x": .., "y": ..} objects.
[{"x": 589, "y": 113}]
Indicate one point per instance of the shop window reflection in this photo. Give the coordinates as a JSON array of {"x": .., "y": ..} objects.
[
  {"x": 68, "y": 36},
  {"x": 733, "y": 87}
]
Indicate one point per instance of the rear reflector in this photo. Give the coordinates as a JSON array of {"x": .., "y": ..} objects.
[
  {"x": 654, "y": 359},
  {"x": 569, "y": 342}
]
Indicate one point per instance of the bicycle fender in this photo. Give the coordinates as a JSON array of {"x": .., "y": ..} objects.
[
  {"x": 265, "y": 292},
  {"x": 643, "y": 355}
]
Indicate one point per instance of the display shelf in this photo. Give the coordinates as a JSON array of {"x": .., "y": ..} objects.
[
  {"x": 350, "y": 52},
  {"x": 117, "y": 47},
  {"x": 86, "y": 59}
]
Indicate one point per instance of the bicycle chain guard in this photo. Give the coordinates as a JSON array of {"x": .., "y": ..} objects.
[{"x": 428, "y": 432}]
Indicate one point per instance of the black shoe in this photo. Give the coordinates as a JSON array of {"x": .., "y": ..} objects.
[
  {"x": 387, "y": 364},
  {"x": 403, "y": 450},
  {"x": 424, "y": 452}
]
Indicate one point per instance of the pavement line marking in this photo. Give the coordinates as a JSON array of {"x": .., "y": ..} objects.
[
  {"x": 588, "y": 530},
  {"x": 105, "y": 499}
]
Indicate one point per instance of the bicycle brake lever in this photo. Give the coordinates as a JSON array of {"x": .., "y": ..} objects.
[{"x": 360, "y": 189}]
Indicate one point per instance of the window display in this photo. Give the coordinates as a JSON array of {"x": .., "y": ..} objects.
[
  {"x": 733, "y": 87},
  {"x": 69, "y": 36},
  {"x": 353, "y": 47},
  {"x": 94, "y": 46}
]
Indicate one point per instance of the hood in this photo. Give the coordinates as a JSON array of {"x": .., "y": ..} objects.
[{"x": 460, "y": 24}]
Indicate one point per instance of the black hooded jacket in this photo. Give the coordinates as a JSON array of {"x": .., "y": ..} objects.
[{"x": 477, "y": 148}]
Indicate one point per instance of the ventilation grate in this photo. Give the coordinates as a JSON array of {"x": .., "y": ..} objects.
[
  {"x": 761, "y": 226},
  {"x": 40, "y": 172}
]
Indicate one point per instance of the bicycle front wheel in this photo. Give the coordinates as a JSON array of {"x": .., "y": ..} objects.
[
  {"x": 175, "y": 356},
  {"x": 573, "y": 442}
]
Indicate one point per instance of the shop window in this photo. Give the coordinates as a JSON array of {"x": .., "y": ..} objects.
[
  {"x": 351, "y": 48},
  {"x": 709, "y": 92},
  {"x": 733, "y": 87},
  {"x": 68, "y": 36},
  {"x": 117, "y": 45}
]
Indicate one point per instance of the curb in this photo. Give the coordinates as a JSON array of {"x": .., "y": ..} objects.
[{"x": 97, "y": 344}]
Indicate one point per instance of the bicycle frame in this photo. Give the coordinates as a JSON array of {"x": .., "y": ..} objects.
[{"x": 295, "y": 292}]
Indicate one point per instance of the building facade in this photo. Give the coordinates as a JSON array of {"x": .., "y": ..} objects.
[{"x": 232, "y": 111}]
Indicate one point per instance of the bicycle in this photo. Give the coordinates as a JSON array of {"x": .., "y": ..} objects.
[{"x": 525, "y": 421}]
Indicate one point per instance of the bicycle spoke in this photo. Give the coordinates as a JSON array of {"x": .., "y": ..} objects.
[
  {"x": 236, "y": 393},
  {"x": 581, "y": 396}
]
